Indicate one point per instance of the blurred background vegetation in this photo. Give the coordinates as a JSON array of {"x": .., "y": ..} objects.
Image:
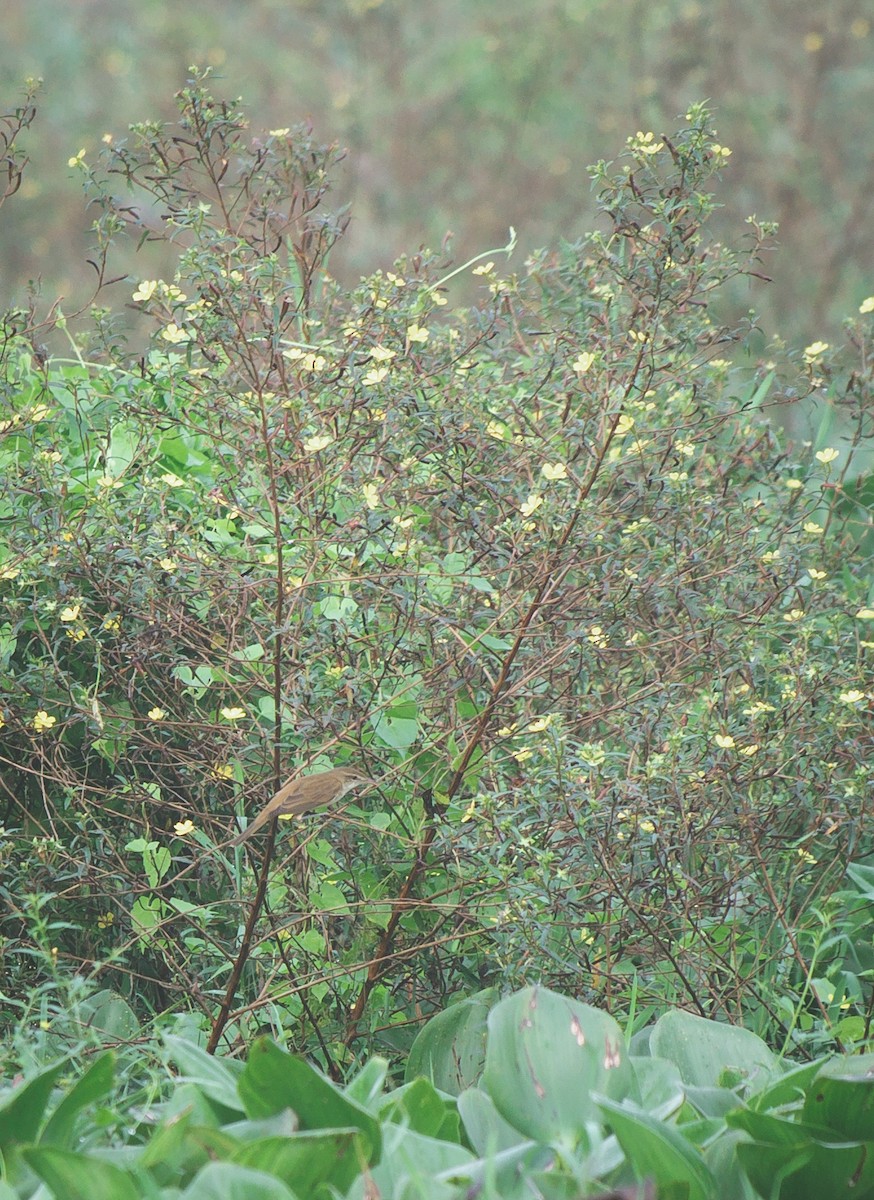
[{"x": 472, "y": 115}]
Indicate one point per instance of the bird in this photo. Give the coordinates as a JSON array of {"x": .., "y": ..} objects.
[{"x": 303, "y": 793}]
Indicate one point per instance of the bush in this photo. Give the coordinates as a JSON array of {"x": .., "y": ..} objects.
[{"x": 544, "y": 568}]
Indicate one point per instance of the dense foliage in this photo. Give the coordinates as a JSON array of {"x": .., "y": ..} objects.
[
  {"x": 542, "y": 567},
  {"x": 536, "y": 1094}
]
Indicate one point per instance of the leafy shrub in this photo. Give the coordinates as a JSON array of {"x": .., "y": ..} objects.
[{"x": 543, "y": 567}]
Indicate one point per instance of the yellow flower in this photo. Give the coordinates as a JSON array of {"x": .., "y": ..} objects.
[
  {"x": 814, "y": 351},
  {"x": 531, "y": 505},
  {"x": 720, "y": 151},
  {"x": 582, "y": 362},
  {"x": 223, "y": 771},
  {"x": 624, "y": 425},
  {"x": 644, "y": 143},
  {"x": 168, "y": 564},
  {"x": 794, "y": 614},
  {"x": 554, "y": 471},
  {"x": 541, "y": 723},
  {"x": 314, "y": 362},
  {"x": 370, "y": 493},
  {"x": 104, "y": 921},
  {"x": 76, "y": 160},
  {"x": 812, "y": 527},
  {"x": 375, "y": 376},
  {"x": 314, "y": 444},
  {"x": 172, "y": 480},
  {"x": 646, "y": 826},
  {"x": 724, "y": 741},
  {"x": 815, "y": 574},
  {"x": 280, "y": 133},
  {"x": 484, "y": 269},
  {"x": 867, "y": 305},
  {"x": 71, "y": 613},
  {"x": 793, "y": 484},
  {"x": 181, "y": 828},
  {"x": 156, "y": 714},
  {"x": 854, "y": 696},
  {"x": 42, "y": 721},
  {"x": 380, "y": 354},
  {"x": 865, "y": 614},
  {"x": 749, "y": 751},
  {"x": 173, "y": 334},
  {"x": 597, "y": 637},
  {"x": 416, "y": 333},
  {"x": 828, "y": 455},
  {"x": 145, "y": 291},
  {"x": 233, "y": 714}
]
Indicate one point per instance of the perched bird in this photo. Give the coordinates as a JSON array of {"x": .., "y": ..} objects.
[{"x": 304, "y": 792}]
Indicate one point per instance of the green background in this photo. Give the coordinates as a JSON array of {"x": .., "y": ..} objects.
[{"x": 473, "y": 115}]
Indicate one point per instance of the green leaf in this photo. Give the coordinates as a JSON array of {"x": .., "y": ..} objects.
[
  {"x": 366, "y": 1087},
  {"x": 418, "y": 1106},
  {"x": 307, "y": 1160},
  {"x": 397, "y": 726},
  {"x": 546, "y": 1057},
  {"x": 93, "y": 1085},
  {"x": 273, "y": 1080},
  {"x": 704, "y": 1050},
  {"x": 659, "y": 1151},
  {"x": 229, "y": 1181},
  {"x": 841, "y": 1098},
  {"x": 450, "y": 1050},
  {"x": 80, "y": 1176},
  {"x": 23, "y": 1111},
  {"x": 216, "y": 1077}
]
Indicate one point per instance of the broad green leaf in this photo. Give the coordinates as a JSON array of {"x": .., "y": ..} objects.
[
  {"x": 397, "y": 726},
  {"x": 657, "y": 1150},
  {"x": 80, "y": 1176},
  {"x": 810, "y": 1169},
  {"x": 366, "y": 1087},
  {"x": 23, "y": 1112},
  {"x": 842, "y": 1098},
  {"x": 229, "y": 1181},
  {"x": 306, "y": 1160},
  {"x": 450, "y": 1050},
  {"x": 273, "y": 1080},
  {"x": 486, "y": 1129},
  {"x": 92, "y": 1086},
  {"x": 411, "y": 1160},
  {"x": 546, "y": 1057},
  {"x": 216, "y": 1077},
  {"x": 705, "y": 1050},
  {"x": 418, "y": 1106}
]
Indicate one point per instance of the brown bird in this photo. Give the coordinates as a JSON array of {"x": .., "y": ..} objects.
[{"x": 304, "y": 792}]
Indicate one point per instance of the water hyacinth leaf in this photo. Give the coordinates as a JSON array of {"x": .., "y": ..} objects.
[
  {"x": 842, "y": 1098},
  {"x": 273, "y": 1080},
  {"x": 704, "y": 1051},
  {"x": 307, "y": 1160},
  {"x": 546, "y": 1056},
  {"x": 451, "y": 1049},
  {"x": 80, "y": 1176},
  {"x": 659, "y": 1151}
]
